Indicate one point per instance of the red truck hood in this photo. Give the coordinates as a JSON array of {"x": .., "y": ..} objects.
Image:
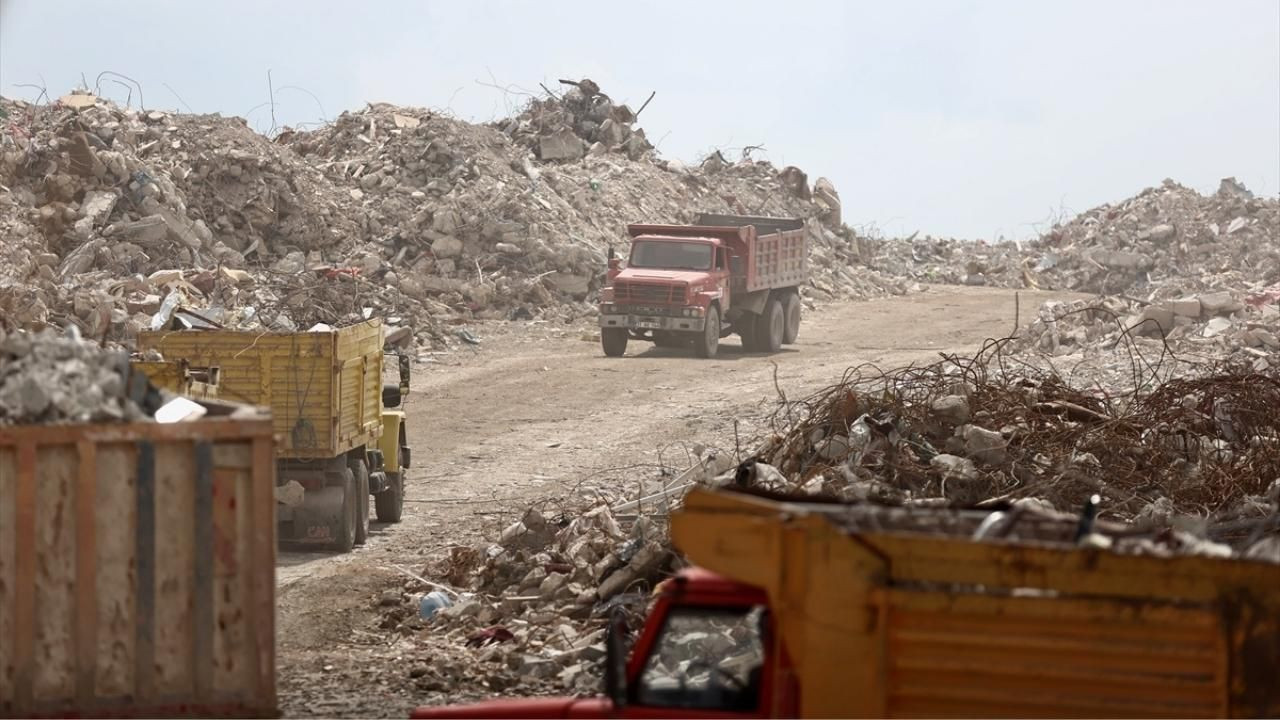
[
  {"x": 556, "y": 707},
  {"x": 647, "y": 275}
]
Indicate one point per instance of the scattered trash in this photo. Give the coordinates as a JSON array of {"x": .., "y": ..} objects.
[{"x": 431, "y": 602}]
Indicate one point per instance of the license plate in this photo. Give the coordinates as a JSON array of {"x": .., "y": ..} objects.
[{"x": 649, "y": 324}]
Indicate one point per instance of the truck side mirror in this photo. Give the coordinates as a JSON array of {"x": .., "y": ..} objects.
[
  {"x": 404, "y": 375},
  {"x": 615, "y": 661}
]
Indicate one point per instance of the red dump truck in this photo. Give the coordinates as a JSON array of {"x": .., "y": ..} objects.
[{"x": 695, "y": 284}]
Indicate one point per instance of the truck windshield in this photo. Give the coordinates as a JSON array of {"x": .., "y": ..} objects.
[
  {"x": 706, "y": 658},
  {"x": 670, "y": 255}
]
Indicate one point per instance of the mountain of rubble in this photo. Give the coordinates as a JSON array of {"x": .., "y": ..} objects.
[{"x": 110, "y": 214}]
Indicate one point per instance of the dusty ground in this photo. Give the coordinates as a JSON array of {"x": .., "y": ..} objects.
[{"x": 529, "y": 415}]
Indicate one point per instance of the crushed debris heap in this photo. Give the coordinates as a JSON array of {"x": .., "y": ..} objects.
[{"x": 400, "y": 212}]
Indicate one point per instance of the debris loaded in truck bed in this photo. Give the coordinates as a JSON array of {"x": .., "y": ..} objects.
[
  {"x": 972, "y": 429},
  {"x": 50, "y": 377}
]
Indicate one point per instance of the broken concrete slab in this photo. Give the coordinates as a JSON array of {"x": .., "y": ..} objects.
[
  {"x": 1220, "y": 303},
  {"x": 562, "y": 145}
]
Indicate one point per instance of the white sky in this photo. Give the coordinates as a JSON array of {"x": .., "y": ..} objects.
[{"x": 972, "y": 119}]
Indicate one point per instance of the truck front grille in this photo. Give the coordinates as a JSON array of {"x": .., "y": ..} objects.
[{"x": 642, "y": 293}]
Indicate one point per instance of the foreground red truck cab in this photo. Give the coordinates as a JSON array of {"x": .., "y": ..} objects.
[{"x": 695, "y": 284}]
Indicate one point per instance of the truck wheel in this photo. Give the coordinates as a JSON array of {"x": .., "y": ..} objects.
[
  {"x": 614, "y": 341},
  {"x": 345, "y": 533},
  {"x": 706, "y": 344},
  {"x": 361, "y": 471},
  {"x": 791, "y": 313},
  {"x": 390, "y": 502},
  {"x": 770, "y": 326}
]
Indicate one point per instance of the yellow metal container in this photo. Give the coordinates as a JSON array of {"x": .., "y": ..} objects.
[
  {"x": 323, "y": 388},
  {"x": 880, "y": 623}
]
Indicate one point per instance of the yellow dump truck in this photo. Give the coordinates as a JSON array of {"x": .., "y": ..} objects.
[
  {"x": 811, "y": 609},
  {"x": 342, "y": 436}
]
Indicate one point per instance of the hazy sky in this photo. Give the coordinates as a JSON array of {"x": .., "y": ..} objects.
[{"x": 972, "y": 119}]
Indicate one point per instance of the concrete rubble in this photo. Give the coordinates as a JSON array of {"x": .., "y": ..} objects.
[
  {"x": 514, "y": 220},
  {"x": 1168, "y": 241},
  {"x": 399, "y": 212},
  {"x": 531, "y": 606},
  {"x": 428, "y": 221},
  {"x": 56, "y": 377}
]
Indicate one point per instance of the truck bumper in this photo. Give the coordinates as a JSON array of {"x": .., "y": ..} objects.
[{"x": 653, "y": 322}]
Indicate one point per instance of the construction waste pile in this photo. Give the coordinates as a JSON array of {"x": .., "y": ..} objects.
[
  {"x": 515, "y": 219},
  {"x": 1184, "y": 466},
  {"x": 56, "y": 377},
  {"x": 972, "y": 430},
  {"x": 112, "y": 213},
  {"x": 1164, "y": 243},
  {"x": 529, "y": 609}
]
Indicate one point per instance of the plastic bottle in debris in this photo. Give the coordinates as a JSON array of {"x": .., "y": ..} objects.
[{"x": 431, "y": 602}]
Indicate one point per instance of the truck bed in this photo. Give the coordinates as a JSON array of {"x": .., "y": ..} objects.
[
  {"x": 900, "y": 613},
  {"x": 324, "y": 388},
  {"x": 779, "y": 255}
]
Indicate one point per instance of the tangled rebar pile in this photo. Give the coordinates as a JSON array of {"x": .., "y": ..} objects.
[{"x": 970, "y": 430}]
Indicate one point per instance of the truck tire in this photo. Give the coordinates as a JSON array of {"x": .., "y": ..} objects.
[
  {"x": 345, "y": 533},
  {"x": 770, "y": 327},
  {"x": 390, "y": 502},
  {"x": 791, "y": 316},
  {"x": 706, "y": 344},
  {"x": 360, "y": 469},
  {"x": 614, "y": 341}
]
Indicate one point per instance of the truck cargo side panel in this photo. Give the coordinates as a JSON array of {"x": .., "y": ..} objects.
[
  {"x": 321, "y": 406},
  {"x": 132, "y": 579},
  {"x": 988, "y": 656},
  {"x": 780, "y": 260},
  {"x": 301, "y": 390}
]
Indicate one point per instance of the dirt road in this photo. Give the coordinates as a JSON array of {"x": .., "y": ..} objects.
[{"x": 531, "y": 413}]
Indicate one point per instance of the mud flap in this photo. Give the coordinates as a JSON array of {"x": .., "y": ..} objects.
[{"x": 318, "y": 518}]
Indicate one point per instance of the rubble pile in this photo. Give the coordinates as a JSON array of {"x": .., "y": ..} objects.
[
  {"x": 1169, "y": 240},
  {"x": 108, "y": 211},
  {"x": 582, "y": 121},
  {"x": 1164, "y": 243},
  {"x": 489, "y": 222},
  {"x": 527, "y": 611},
  {"x": 53, "y": 377},
  {"x": 966, "y": 431},
  {"x": 1198, "y": 329},
  {"x": 534, "y": 603},
  {"x": 948, "y": 261}
]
